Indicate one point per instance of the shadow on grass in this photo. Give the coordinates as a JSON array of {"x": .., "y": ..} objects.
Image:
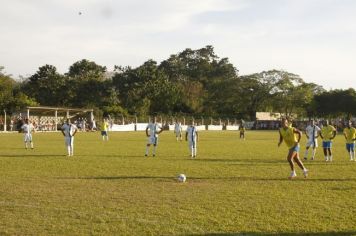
[
  {"x": 33, "y": 155},
  {"x": 344, "y": 233},
  {"x": 241, "y": 178}
]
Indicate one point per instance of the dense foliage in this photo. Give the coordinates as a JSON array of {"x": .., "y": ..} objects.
[{"x": 195, "y": 82}]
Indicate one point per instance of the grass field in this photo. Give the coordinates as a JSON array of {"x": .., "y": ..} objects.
[{"x": 233, "y": 187}]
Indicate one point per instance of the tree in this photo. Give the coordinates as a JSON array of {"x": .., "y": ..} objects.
[{"x": 48, "y": 87}]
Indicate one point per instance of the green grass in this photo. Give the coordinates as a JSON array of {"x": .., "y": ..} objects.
[{"x": 109, "y": 188}]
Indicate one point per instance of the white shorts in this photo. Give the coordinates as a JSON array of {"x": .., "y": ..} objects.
[
  {"x": 192, "y": 144},
  {"x": 152, "y": 140},
  {"x": 178, "y": 132},
  {"x": 28, "y": 138},
  {"x": 69, "y": 141},
  {"x": 312, "y": 143}
]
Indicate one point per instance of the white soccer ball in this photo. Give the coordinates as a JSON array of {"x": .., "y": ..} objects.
[{"x": 181, "y": 178}]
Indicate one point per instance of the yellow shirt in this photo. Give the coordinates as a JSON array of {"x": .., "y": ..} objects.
[
  {"x": 327, "y": 132},
  {"x": 289, "y": 136},
  {"x": 350, "y": 134},
  {"x": 105, "y": 126}
]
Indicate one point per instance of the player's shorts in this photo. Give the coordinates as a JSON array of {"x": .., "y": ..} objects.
[
  {"x": 312, "y": 143},
  {"x": 178, "y": 132},
  {"x": 350, "y": 147},
  {"x": 28, "y": 138},
  {"x": 69, "y": 141},
  {"x": 192, "y": 144},
  {"x": 327, "y": 144},
  {"x": 295, "y": 148},
  {"x": 153, "y": 140},
  {"x": 104, "y": 133}
]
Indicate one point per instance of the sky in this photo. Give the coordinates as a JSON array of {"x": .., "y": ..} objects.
[{"x": 312, "y": 38}]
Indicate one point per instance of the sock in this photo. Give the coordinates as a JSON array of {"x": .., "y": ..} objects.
[
  {"x": 71, "y": 150},
  {"x": 147, "y": 149},
  {"x": 351, "y": 155},
  {"x": 306, "y": 154},
  {"x": 314, "y": 151},
  {"x": 26, "y": 145},
  {"x": 68, "y": 150},
  {"x": 331, "y": 157},
  {"x": 191, "y": 151},
  {"x": 326, "y": 158},
  {"x": 195, "y": 151}
]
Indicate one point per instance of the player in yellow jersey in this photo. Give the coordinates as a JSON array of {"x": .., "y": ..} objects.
[
  {"x": 105, "y": 129},
  {"x": 328, "y": 133},
  {"x": 350, "y": 136},
  {"x": 291, "y": 137}
]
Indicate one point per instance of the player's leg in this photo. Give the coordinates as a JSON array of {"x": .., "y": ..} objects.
[
  {"x": 191, "y": 150},
  {"x": 30, "y": 140},
  {"x": 300, "y": 164},
  {"x": 330, "y": 152},
  {"x": 25, "y": 141},
  {"x": 306, "y": 151},
  {"x": 195, "y": 148},
  {"x": 71, "y": 146},
  {"x": 154, "y": 146},
  {"x": 352, "y": 151},
  {"x": 147, "y": 149},
  {"x": 290, "y": 156},
  {"x": 67, "y": 145},
  {"x": 107, "y": 136},
  {"x": 325, "y": 151}
]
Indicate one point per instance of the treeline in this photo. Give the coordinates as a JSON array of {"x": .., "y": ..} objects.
[{"x": 195, "y": 82}]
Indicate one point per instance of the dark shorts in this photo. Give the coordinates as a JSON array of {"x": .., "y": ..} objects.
[
  {"x": 350, "y": 147},
  {"x": 327, "y": 144},
  {"x": 104, "y": 133}
]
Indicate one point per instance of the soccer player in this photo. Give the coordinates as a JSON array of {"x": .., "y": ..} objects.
[
  {"x": 328, "y": 133},
  {"x": 192, "y": 137},
  {"x": 68, "y": 131},
  {"x": 152, "y": 131},
  {"x": 291, "y": 137},
  {"x": 350, "y": 136},
  {"x": 28, "y": 129},
  {"x": 104, "y": 130},
  {"x": 312, "y": 132},
  {"x": 242, "y": 132},
  {"x": 178, "y": 130}
]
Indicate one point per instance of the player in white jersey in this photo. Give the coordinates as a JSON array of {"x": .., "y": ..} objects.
[
  {"x": 27, "y": 128},
  {"x": 312, "y": 132},
  {"x": 68, "y": 131},
  {"x": 152, "y": 131},
  {"x": 192, "y": 137},
  {"x": 178, "y": 130}
]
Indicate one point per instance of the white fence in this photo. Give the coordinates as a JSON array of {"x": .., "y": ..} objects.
[{"x": 143, "y": 126}]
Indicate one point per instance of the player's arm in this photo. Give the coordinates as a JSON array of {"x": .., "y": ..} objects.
[
  {"x": 186, "y": 136},
  {"x": 280, "y": 139},
  {"x": 160, "y": 130},
  {"x": 334, "y": 134},
  {"x": 306, "y": 134},
  {"x": 147, "y": 132},
  {"x": 63, "y": 132},
  {"x": 197, "y": 136},
  {"x": 321, "y": 135},
  {"x": 75, "y": 131},
  {"x": 299, "y": 133}
]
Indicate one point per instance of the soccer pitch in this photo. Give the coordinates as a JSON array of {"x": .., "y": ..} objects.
[{"x": 233, "y": 187}]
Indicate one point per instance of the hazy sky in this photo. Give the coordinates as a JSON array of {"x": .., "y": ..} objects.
[{"x": 313, "y": 38}]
